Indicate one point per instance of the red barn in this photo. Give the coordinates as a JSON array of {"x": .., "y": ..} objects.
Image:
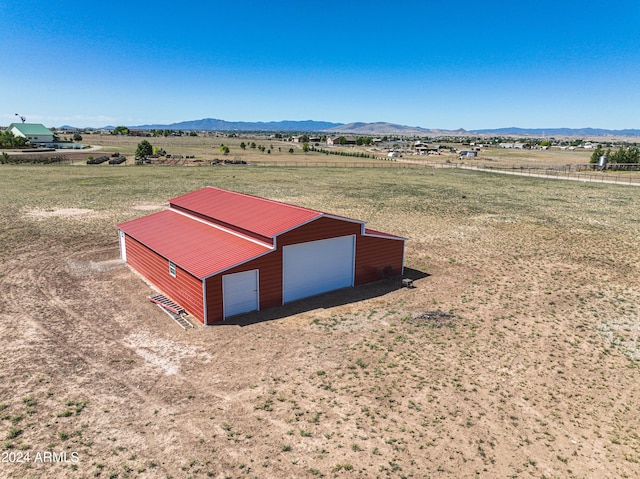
[{"x": 219, "y": 253}]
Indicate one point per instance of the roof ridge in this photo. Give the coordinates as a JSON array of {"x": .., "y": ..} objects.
[
  {"x": 220, "y": 227},
  {"x": 268, "y": 200}
]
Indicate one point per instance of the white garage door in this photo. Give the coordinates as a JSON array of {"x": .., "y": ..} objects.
[
  {"x": 317, "y": 267},
  {"x": 240, "y": 292}
]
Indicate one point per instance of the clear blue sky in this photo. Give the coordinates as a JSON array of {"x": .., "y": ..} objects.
[{"x": 438, "y": 64}]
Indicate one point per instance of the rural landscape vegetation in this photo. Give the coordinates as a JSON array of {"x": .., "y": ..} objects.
[{"x": 516, "y": 354}]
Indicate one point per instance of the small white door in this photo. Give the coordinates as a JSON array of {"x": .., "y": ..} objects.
[
  {"x": 123, "y": 246},
  {"x": 316, "y": 267},
  {"x": 240, "y": 292}
]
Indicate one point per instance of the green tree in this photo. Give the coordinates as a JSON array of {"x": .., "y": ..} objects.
[
  {"x": 243, "y": 145},
  {"x": 143, "y": 150},
  {"x": 224, "y": 149},
  {"x": 9, "y": 140},
  {"x": 77, "y": 137},
  {"x": 633, "y": 154},
  {"x": 305, "y": 146},
  {"x": 291, "y": 150},
  {"x": 595, "y": 156},
  {"x": 626, "y": 155},
  {"x": 342, "y": 140},
  {"x": 120, "y": 130}
]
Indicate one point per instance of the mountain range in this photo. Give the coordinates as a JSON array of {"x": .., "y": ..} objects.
[
  {"x": 212, "y": 124},
  {"x": 368, "y": 129},
  {"x": 513, "y": 131}
]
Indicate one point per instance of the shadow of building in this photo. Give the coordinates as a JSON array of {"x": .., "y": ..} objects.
[{"x": 324, "y": 301}]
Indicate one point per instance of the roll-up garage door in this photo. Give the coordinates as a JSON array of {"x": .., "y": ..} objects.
[
  {"x": 240, "y": 292},
  {"x": 317, "y": 267}
]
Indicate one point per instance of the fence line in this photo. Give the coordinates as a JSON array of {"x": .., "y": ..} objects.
[
  {"x": 558, "y": 173},
  {"x": 338, "y": 164}
]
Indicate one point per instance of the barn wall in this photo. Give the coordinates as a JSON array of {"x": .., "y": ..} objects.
[
  {"x": 374, "y": 254},
  {"x": 270, "y": 284},
  {"x": 322, "y": 228},
  {"x": 213, "y": 292},
  {"x": 185, "y": 289}
]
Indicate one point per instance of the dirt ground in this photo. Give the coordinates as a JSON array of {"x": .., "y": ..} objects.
[{"x": 515, "y": 355}]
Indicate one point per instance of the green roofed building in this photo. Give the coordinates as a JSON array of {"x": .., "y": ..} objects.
[{"x": 34, "y": 132}]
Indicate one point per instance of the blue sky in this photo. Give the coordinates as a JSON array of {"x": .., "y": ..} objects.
[{"x": 431, "y": 64}]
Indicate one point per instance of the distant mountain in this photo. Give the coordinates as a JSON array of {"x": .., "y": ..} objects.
[
  {"x": 382, "y": 128},
  {"x": 370, "y": 129},
  {"x": 212, "y": 124},
  {"x": 378, "y": 128},
  {"x": 557, "y": 132}
]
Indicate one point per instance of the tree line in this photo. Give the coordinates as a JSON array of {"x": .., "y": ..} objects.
[
  {"x": 623, "y": 155},
  {"x": 354, "y": 154}
]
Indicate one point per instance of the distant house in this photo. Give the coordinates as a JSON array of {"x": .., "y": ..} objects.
[
  {"x": 134, "y": 132},
  {"x": 33, "y": 132},
  {"x": 422, "y": 148},
  {"x": 520, "y": 146},
  {"x": 470, "y": 153},
  {"x": 335, "y": 140}
]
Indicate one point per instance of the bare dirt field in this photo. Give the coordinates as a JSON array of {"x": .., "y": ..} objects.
[{"x": 516, "y": 355}]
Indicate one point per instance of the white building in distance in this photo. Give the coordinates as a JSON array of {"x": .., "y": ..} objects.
[{"x": 34, "y": 132}]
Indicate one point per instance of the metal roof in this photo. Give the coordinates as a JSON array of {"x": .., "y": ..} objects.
[
  {"x": 195, "y": 246},
  {"x": 265, "y": 217},
  {"x": 31, "y": 128},
  {"x": 381, "y": 234},
  {"x": 217, "y": 240}
]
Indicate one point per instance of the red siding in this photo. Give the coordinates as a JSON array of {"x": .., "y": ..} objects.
[
  {"x": 322, "y": 228},
  {"x": 270, "y": 265},
  {"x": 213, "y": 291},
  {"x": 184, "y": 289},
  {"x": 270, "y": 284},
  {"x": 373, "y": 255}
]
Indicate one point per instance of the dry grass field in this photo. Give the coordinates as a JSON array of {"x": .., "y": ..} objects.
[
  {"x": 204, "y": 149},
  {"x": 207, "y": 148},
  {"x": 516, "y": 355}
]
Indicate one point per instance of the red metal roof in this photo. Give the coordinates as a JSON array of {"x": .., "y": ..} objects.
[
  {"x": 370, "y": 232},
  {"x": 265, "y": 217},
  {"x": 195, "y": 246}
]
